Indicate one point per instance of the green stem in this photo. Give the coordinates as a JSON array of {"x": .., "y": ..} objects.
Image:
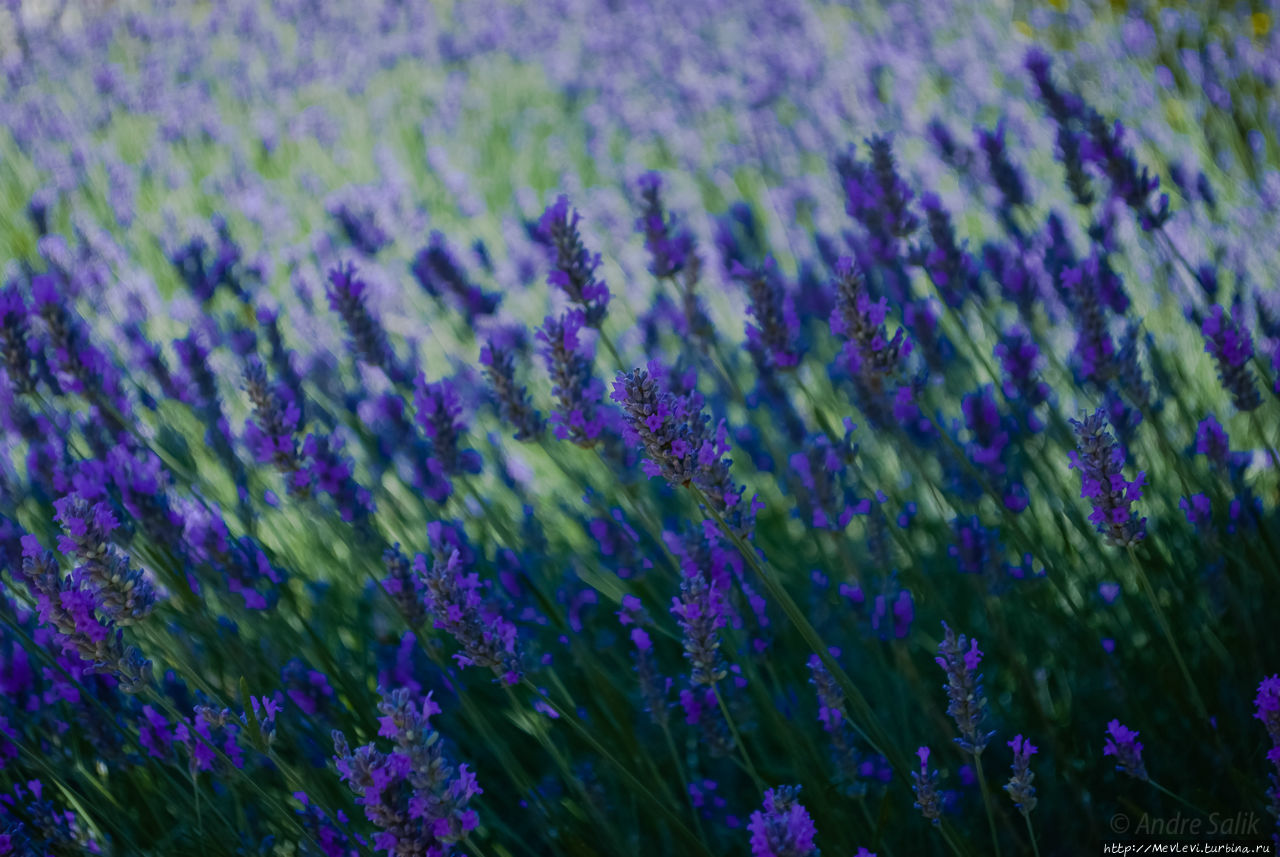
[
  {"x": 631, "y": 778},
  {"x": 737, "y": 738},
  {"x": 986, "y": 802},
  {"x": 1165, "y": 629},
  {"x": 1031, "y": 833}
]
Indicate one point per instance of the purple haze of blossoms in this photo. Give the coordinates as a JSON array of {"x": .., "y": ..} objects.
[
  {"x": 413, "y": 794},
  {"x": 1100, "y": 461},
  {"x": 1122, "y": 743},
  {"x": 783, "y": 828},
  {"x": 573, "y": 267},
  {"x": 1231, "y": 348},
  {"x": 453, "y": 597}
]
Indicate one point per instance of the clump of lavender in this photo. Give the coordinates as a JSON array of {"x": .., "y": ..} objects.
[
  {"x": 72, "y": 612},
  {"x": 348, "y": 297},
  {"x": 783, "y": 828},
  {"x": 577, "y": 393},
  {"x": 413, "y": 794},
  {"x": 1019, "y": 787},
  {"x": 925, "y": 785},
  {"x": 776, "y": 328},
  {"x": 1122, "y": 743},
  {"x": 1231, "y": 348},
  {"x": 668, "y": 244},
  {"x": 1100, "y": 461},
  {"x": 453, "y": 597},
  {"x": 514, "y": 404},
  {"x": 573, "y": 267},
  {"x": 966, "y": 701},
  {"x": 122, "y": 593}
]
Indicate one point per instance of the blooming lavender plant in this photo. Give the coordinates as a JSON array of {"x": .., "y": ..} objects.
[{"x": 783, "y": 828}]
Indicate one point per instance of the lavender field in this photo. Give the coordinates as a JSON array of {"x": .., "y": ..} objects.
[{"x": 604, "y": 427}]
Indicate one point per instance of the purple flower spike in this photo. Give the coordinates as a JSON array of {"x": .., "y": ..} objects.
[
  {"x": 576, "y": 391},
  {"x": 122, "y": 594},
  {"x": 872, "y": 357},
  {"x": 270, "y": 434},
  {"x": 925, "y": 785},
  {"x": 440, "y": 414},
  {"x": 1267, "y": 707},
  {"x": 573, "y": 268},
  {"x": 453, "y": 597},
  {"x": 413, "y": 794},
  {"x": 701, "y": 611},
  {"x": 1122, "y": 742},
  {"x": 1019, "y": 787},
  {"x": 776, "y": 328},
  {"x": 784, "y": 827},
  {"x": 348, "y": 297},
  {"x": 1231, "y": 348},
  {"x": 1100, "y": 461},
  {"x": 514, "y": 404},
  {"x": 966, "y": 702},
  {"x": 669, "y": 246}
]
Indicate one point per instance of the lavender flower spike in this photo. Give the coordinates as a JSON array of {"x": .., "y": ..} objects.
[
  {"x": 573, "y": 268},
  {"x": 453, "y": 597},
  {"x": 1100, "y": 461},
  {"x": 122, "y": 593},
  {"x": 1019, "y": 786},
  {"x": 1231, "y": 348},
  {"x": 967, "y": 703},
  {"x": 1123, "y": 743},
  {"x": 784, "y": 827},
  {"x": 513, "y": 401},
  {"x": 412, "y": 794},
  {"x": 925, "y": 785},
  {"x": 702, "y": 612},
  {"x": 576, "y": 392}
]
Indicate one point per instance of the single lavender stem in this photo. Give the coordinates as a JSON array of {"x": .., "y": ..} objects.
[
  {"x": 737, "y": 738},
  {"x": 1150, "y": 593},
  {"x": 986, "y": 801},
  {"x": 1031, "y": 832}
]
